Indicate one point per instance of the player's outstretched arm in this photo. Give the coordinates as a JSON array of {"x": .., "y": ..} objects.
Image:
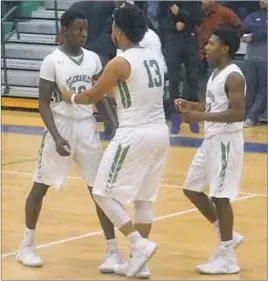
[{"x": 117, "y": 70}]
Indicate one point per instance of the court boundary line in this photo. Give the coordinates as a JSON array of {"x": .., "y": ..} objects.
[
  {"x": 241, "y": 192},
  {"x": 96, "y": 233},
  {"x": 162, "y": 184}
]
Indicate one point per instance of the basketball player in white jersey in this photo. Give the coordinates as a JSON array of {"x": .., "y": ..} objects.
[
  {"x": 218, "y": 162},
  {"x": 150, "y": 41},
  {"x": 133, "y": 163},
  {"x": 71, "y": 130}
]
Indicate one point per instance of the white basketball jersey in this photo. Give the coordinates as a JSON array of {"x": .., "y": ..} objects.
[
  {"x": 152, "y": 42},
  {"x": 140, "y": 98},
  {"x": 217, "y": 101},
  {"x": 74, "y": 73}
]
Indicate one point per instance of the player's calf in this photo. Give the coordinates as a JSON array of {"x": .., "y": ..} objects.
[
  {"x": 225, "y": 217},
  {"x": 27, "y": 253},
  {"x": 202, "y": 203},
  {"x": 113, "y": 255},
  {"x": 143, "y": 217}
]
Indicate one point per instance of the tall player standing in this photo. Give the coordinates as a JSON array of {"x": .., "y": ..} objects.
[
  {"x": 219, "y": 160},
  {"x": 71, "y": 130},
  {"x": 133, "y": 163}
]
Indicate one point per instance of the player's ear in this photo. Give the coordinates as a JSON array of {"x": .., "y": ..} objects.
[
  {"x": 64, "y": 29},
  {"x": 226, "y": 49}
]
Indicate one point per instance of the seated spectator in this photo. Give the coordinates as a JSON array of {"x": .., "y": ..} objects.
[{"x": 255, "y": 64}]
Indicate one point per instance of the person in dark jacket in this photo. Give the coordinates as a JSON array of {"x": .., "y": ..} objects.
[
  {"x": 255, "y": 63},
  {"x": 177, "y": 24}
]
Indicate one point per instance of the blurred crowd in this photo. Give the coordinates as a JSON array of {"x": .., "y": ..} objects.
[{"x": 184, "y": 28}]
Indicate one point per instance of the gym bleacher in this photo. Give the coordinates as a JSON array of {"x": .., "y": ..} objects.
[{"x": 30, "y": 34}]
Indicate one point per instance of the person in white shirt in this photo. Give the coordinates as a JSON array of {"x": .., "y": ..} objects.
[
  {"x": 218, "y": 162},
  {"x": 70, "y": 130},
  {"x": 133, "y": 163}
]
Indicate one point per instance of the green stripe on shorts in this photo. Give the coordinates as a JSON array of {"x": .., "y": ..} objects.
[
  {"x": 40, "y": 156},
  {"x": 119, "y": 158},
  {"x": 225, "y": 150}
]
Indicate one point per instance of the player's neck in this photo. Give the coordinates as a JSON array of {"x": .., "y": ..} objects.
[
  {"x": 129, "y": 46},
  {"x": 71, "y": 51},
  {"x": 221, "y": 64}
]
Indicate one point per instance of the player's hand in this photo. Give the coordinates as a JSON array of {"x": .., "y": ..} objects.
[
  {"x": 67, "y": 94},
  {"x": 193, "y": 116},
  {"x": 180, "y": 25},
  {"x": 174, "y": 9},
  {"x": 182, "y": 105},
  {"x": 63, "y": 147}
]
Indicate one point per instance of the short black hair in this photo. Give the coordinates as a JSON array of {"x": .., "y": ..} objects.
[
  {"x": 229, "y": 37},
  {"x": 69, "y": 16},
  {"x": 131, "y": 20}
]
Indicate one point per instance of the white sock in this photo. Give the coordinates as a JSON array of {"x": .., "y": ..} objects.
[
  {"x": 111, "y": 245},
  {"x": 134, "y": 237},
  {"x": 227, "y": 244},
  {"x": 28, "y": 237}
]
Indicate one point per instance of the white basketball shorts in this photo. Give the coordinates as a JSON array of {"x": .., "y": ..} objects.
[
  {"x": 83, "y": 137},
  {"x": 218, "y": 163},
  {"x": 133, "y": 164}
]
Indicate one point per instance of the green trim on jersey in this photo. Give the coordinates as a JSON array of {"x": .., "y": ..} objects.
[
  {"x": 125, "y": 95},
  {"x": 225, "y": 150},
  {"x": 119, "y": 158},
  {"x": 40, "y": 156},
  {"x": 78, "y": 62}
]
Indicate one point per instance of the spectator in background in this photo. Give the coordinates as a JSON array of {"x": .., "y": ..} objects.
[
  {"x": 152, "y": 12},
  {"x": 216, "y": 16},
  {"x": 242, "y": 8},
  {"x": 255, "y": 63},
  {"x": 177, "y": 23}
]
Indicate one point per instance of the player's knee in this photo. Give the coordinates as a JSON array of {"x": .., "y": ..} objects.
[
  {"x": 187, "y": 193},
  {"x": 98, "y": 199},
  {"x": 38, "y": 191},
  {"x": 143, "y": 212},
  {"x": 220, "y": 202},
  {"x": 191, "y": 195},
  {"x": 90, "y": 188}
]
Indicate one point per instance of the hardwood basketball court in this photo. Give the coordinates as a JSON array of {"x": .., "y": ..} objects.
[{"x": 69, "y": 237}]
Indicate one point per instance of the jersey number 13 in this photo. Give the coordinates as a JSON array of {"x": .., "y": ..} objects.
[{"x": 154, "y": 74}]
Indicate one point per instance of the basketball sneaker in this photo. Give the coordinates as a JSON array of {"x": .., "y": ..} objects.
[
  {"x": 112, "y": 258},
  {"x": 224, "y": 263},
  {"x": 27, "y": 256},
  {"x": 238, "y": 239},
  {"x": 141, "y": 252}
]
